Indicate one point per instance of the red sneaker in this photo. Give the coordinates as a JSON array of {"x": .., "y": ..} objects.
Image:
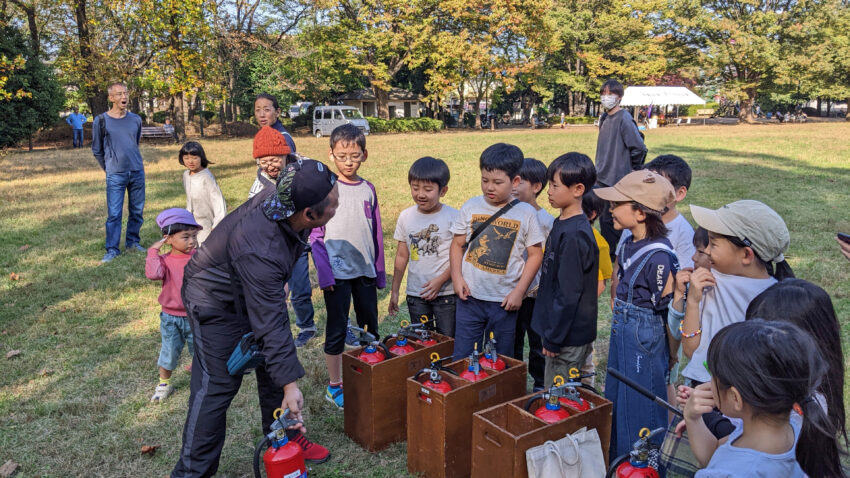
[{"x": 313, "y": 452}]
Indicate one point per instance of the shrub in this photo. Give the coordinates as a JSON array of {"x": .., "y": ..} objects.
[
  {"x": 403, "y": 125},
  {"x": 556, "y": 120},
  {"x": 159, "y": 116},
  {"x": 692, "y": 109}
]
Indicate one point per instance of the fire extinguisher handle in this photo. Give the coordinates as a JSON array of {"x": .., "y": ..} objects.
[
  {"x": 531, "y": 400},
  {"x": 385, "y": 349}
]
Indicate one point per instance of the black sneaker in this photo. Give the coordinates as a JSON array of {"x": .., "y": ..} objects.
[{"x": 304, "y": 337}]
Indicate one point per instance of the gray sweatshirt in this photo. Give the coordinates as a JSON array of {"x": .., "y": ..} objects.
[{"x": 618, "y": 143}]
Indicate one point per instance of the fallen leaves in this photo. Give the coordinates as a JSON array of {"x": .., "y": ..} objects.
[
  {"x": 24, "y": 247},
  {"x": 12, "y": 354},
  {"x": 149, "y": 449},
  {"x": 8, "y": 469},
  {"x": 14, "y": 276}
]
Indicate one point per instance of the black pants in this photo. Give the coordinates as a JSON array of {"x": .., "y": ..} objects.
[
  {"x": 536, "y": 362},
  {"x": 364, "y": 291},
  {"x": 611, "y": 235},
  {"x": 216, "y": 334},
  {"x": 441, "y": 310}
]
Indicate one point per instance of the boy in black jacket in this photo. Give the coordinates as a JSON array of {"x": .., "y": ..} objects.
[{"x": 565, "y": 311}]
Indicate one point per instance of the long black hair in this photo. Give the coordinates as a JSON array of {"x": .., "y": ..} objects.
[
  {"x": 776, "y": 366},
  {"x": 809, "y": 307}
]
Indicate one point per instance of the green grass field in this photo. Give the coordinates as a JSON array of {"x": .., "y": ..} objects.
[{"x": 75, "y": 400}]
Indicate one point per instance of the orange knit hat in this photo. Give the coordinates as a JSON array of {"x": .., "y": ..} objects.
[{"x": 269, "y": 142}]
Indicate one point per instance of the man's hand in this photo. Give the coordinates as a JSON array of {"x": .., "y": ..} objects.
[
  {"x": 845, "y": 248},
  {"x": 294, "y": 401},
  {"x": 393, "y": 308},
  {"x": 700, "y": 402},
  {"x": 549, "y": 353},
  {"x": 513, "y": 301},
  {"x": 431, "y": 289},
  {"x": 461, "y": 289}
]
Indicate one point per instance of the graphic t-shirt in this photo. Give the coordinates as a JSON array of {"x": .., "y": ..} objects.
[
  {"x": 428, "y": 238},
  {"x": 493, "y": 262}
]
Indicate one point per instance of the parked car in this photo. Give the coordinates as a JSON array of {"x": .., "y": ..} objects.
[
  {"x": 326, "y": 118},
  {"x": 299, "y": 109}
]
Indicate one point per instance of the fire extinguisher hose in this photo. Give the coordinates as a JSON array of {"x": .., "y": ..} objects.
[
  {"x": 262, "y": 445},
  {"x": 531, "y": 400}
]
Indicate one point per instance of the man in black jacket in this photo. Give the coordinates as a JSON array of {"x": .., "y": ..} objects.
[{"x": 235, "y": 285}]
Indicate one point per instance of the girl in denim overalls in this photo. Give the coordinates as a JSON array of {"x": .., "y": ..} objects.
[{"x": 638, "y": 347}]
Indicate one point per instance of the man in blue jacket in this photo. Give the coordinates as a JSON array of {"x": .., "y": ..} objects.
[
  {"x": 115, "y": 145},
  {"x": 76, "y": 121}
]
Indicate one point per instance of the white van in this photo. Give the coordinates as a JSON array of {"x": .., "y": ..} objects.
[{"x": 326, "y": 118}]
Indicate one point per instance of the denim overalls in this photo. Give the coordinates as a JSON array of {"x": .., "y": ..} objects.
[{"x": 638, "y": 349}]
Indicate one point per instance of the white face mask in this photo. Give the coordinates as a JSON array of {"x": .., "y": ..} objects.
[{"x": 609, "y": 101}]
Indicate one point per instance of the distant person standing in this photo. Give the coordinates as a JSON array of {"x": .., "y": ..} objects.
[
  {"x": 115, "y": 145},
  {"x": 619, "y": 150},
  {"x": 76, "y": 120}
]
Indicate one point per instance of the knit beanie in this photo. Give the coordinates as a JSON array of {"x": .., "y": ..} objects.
[{"x": 269, "y": 142}]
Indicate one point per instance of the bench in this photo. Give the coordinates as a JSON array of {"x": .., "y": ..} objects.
[{"x": 156, "y": 132}]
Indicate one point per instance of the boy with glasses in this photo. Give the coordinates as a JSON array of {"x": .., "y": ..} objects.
[{"x": 349, "y": 253}]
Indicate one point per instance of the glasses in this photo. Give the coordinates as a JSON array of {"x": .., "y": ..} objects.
[
  {"x": 266, "y": 163},
  {"x": 354, "y": 158}
]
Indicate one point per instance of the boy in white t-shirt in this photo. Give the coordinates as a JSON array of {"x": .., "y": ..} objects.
[
  {"x": 489, "y": 269},
  {"x": 424, "y": 235},
  {"x": 532, "y": 181}
]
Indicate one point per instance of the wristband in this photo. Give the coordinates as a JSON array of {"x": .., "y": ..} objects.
[{"x": 689, "y": 336}]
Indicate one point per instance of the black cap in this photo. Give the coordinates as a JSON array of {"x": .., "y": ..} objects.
[{"x": 302, "y": 183}]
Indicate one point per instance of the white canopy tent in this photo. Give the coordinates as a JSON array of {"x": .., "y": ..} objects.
[{"x": 659, "y": 95}]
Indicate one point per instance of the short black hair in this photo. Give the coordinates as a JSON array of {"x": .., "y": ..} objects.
[
  {"x": 672, "y": 167},
  {"x": 431, "y": 170},
  {"x": 268, "y": 96},
  {"x": 177, "y": 227},
  {"x": 701, "y": 238},
  {"x": 195, "y": 149},
  {"x": 613, "y": 86},
  {"x": 502, "y": 157},
  {"x": 534, "y": 171},
  {"x": 573, "y": 168},
  {"x": 348, "y": 133},
  {"x": 593, "y": 205}
]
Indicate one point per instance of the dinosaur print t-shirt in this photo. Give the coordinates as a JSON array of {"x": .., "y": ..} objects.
[
  {"x": 493, "y": 262},
  {"x": 427, "y": 237}
]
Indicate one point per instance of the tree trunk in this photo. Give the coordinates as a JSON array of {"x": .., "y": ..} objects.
[
  {"x": 819, "y": 105},
  {"x": 746, "y": 112},
  {"x": 382, "y": 100},
  {"x": 221, "y": 118},
  {"x": 95, "y": 96},
  {"x": 179, "y": 116},
  {"x": 32, "y": 25},
  {"x": 478, "y": 111}
]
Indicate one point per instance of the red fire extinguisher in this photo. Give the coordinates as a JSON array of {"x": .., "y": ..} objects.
[
  {"x": 435, "y": 380},
  {"x": 491, "y": 359},
  {"x": 636, "y": 463},
  {"x": 284, "y": 458},
  {"x": 374, "y": 352},
  {"x": 402, "y": 344},
  {"x": 474, "y": 372},
  {"x": 559, "y": 396}
]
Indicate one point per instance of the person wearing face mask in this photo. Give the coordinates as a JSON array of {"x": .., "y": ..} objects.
[{"x": 619, "y": 150}]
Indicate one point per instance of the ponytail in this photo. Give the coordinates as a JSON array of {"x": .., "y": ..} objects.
[
  {"x": 818, "y": 451},
  {"x": 783, "y": 270}
]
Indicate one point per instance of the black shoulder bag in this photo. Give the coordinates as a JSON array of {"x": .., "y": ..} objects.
[{"x": 478, "y": 230}]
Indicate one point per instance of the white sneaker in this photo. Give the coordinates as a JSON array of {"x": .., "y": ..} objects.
[{"x": 162, "y": 392}]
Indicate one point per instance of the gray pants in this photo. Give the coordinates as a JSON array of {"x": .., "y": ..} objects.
[{"x": 570, "y": 357}]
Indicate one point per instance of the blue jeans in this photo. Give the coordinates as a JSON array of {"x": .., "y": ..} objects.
[
  {"x": 301, "y": 294},
  {"x": 175, "y": 331},
  {"x": 78, "y": 138},
  {"x": 116, "y": 183},
  {"x": 476, "y": 317},
  {"x": 638, "y": 349}
]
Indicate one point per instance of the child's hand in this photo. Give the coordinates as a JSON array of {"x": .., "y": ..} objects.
[
  {"x": 681, "y": 427},
  {"x": 431, "y": 289},
  {"x": 683, "y": 393},
  {"x": 393, "y": 308},
  {"x": 683, "y": 277},
  {"x": 158, "y": 244},
  {"x": 329, "y": 288},
  {"x": 461, "y": 289},
  {"x": 700, "y": 279},
  {"x": 513, "y": 301},
  {"x": 700, "y": 402},
  {"x": 549, "y": 353}
]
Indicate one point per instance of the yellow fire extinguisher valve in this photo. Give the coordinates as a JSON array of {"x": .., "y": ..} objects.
[
  {"x": 644, "y": 432},
  {"x": 558, "y": 380},
  {"x": 405, "y": 323},
  {"x": 435, "y": 357},
  {"x": 574, "y": 373}
]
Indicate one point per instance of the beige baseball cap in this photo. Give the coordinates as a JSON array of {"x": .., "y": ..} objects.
[
  {"x": 753, "y": 222},
  {"x": 644, "y": 187}
]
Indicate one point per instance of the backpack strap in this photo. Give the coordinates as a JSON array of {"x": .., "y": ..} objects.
[{"x": 649, "y": 248}]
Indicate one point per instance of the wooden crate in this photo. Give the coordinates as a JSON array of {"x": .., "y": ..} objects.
[
  {"x": 439, "y": 426},
  {"x": 502, "y": 434},
  {"x": 375, "y": 408}
]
